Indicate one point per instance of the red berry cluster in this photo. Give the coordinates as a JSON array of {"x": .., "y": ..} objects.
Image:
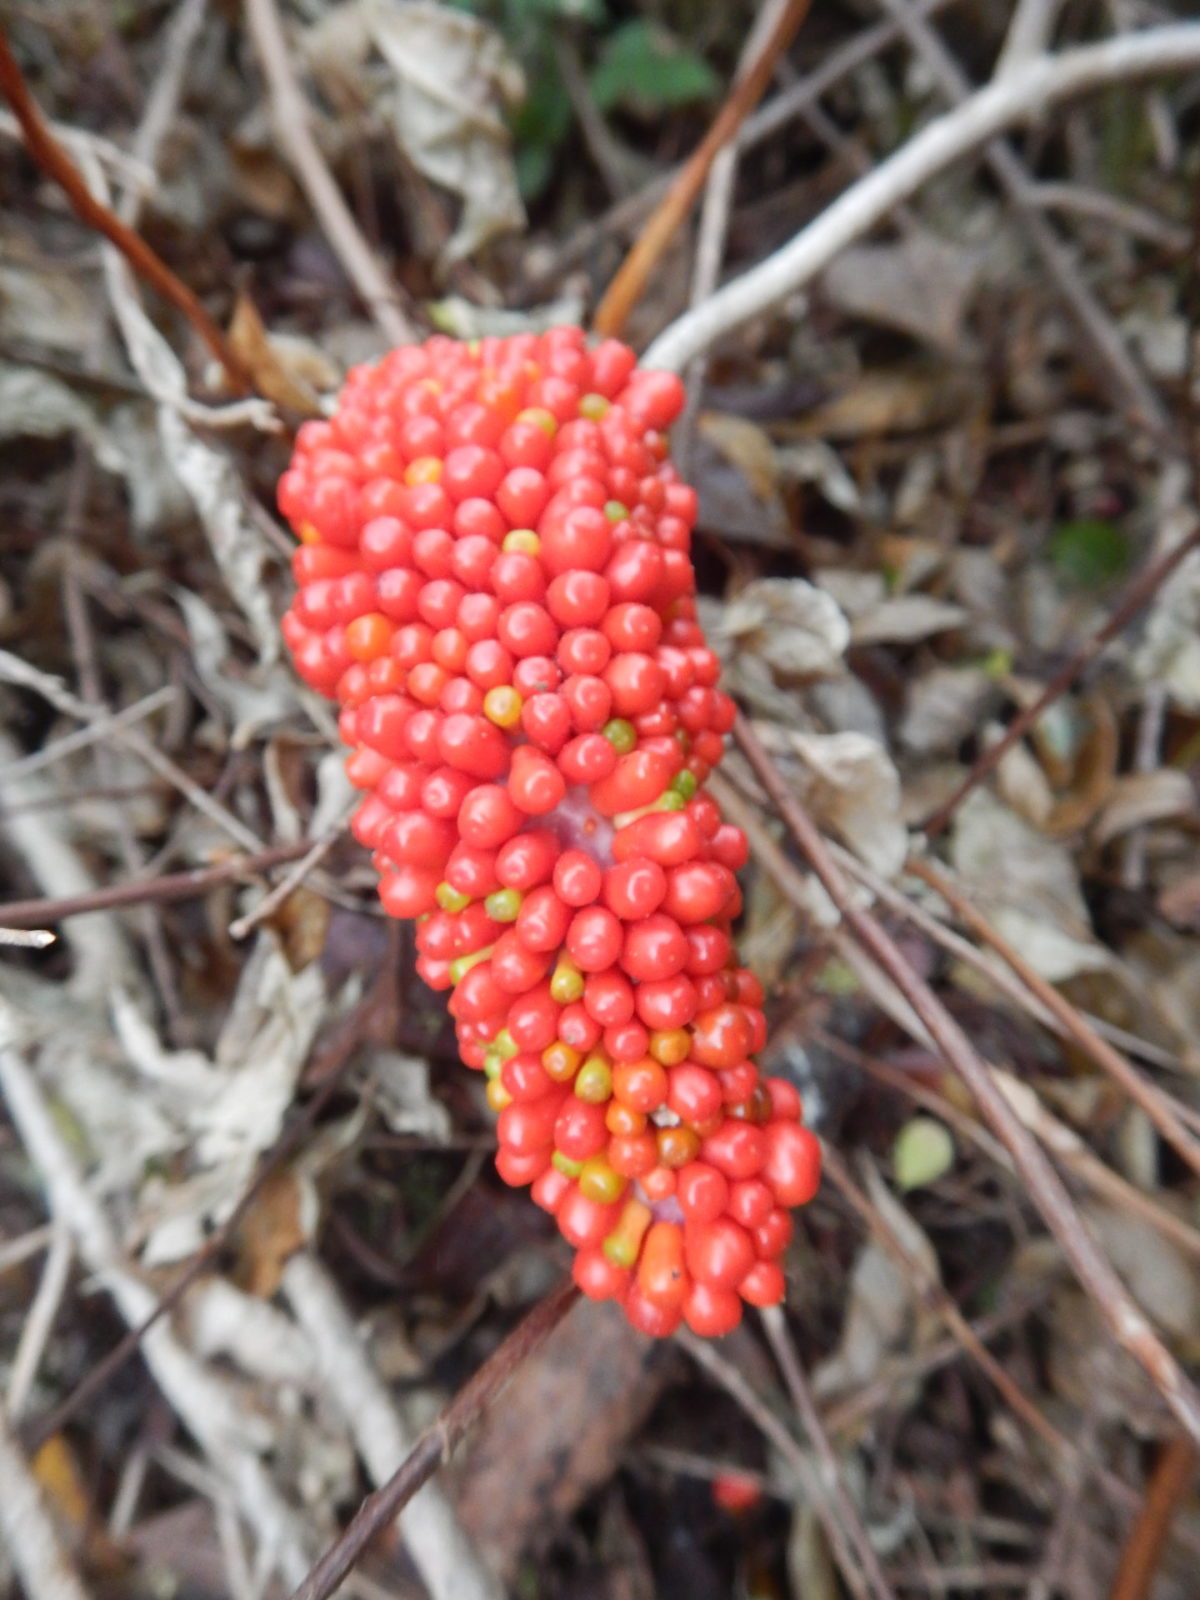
[{"x": 495, "y": 584}]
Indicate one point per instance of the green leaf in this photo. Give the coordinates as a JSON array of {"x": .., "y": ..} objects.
[
  {"x": 923, "y": 1153},
  {"x": 644, "y": 69},
  {"x": 1089, "y": 552}
]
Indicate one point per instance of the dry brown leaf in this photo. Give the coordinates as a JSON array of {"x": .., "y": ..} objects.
[
  {"x": 882, "y": 402},
  {"x": 558, "y": 1430},
  {"x": 921, "y": 285},
  {"x": 276, "y": 1223},
  {"x": 736, "y": 475},
  {"x": 1140, "y": 798},
  {"x": 273, "y": 374}
]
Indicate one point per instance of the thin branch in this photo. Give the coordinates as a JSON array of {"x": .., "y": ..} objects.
[
  {"x": 1042, "y": 85},
  {"x": 1139, "y": 594},
  {"x": 57, "y": 165},
  {"x": 437, "y": 1443},
  {"x": 1127, "y": 1324},
  {"x": 781, "y": 1343},
  {"x": 1120, "y": 1070},
  {"x": 290, "y": 114},
  {"x": 135, "y": 892},
  {"x": 626, "y": 288},
  {"x": 290, "y": 881}
]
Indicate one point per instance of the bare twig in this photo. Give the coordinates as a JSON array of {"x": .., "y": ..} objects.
[
  {"x": 626, "y": 288},
  {"x": 290, "y": 113},
  {"x": 437, "y": 1443},
  {"x": 52, "y": 1286},
  {"x": 1139, "y": 594},
  {"x": 14, "y": 670},
  {"x": 1127, "y": 1324},
  {"x": 797, "y": 1385},
  {"x": 1121, "y": 1071},
  {"x": 1143, "y": 1550},
  {"x": 56, "y": 164},
  {"x": 991, "y": 111}
]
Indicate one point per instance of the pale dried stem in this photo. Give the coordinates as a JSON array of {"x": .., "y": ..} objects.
[
  {"x": 1044, "y": 84},
  {"x": 43, "y": 1566},
  {"x": 436, "y": 1540},
  {"x": 1124, "y": 1320},
  {"x": 208, "y": 1408},
  {"x": 290, "y": 113},
  {"x": 52, "y": 1286}
]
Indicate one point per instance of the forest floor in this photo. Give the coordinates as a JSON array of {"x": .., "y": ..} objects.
[{"x": 949, "y": 553}]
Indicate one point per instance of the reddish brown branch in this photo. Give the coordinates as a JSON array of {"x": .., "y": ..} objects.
[
  {"x": 1141, "y": 591},
  {"x": 627, "y": 286},
  {"x": 1143, "y": 1551},
  {"x": 57, "y": 165},
  {"x": 436, "y": 1444},
  {"x": 143, "y": 891}
]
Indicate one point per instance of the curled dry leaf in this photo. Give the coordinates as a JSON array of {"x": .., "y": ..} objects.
[
  {"x": 275, "y": 372},
  {"x": 1141, "y": 798},
  {"x": 1028, "y": 887},
  {"x": 794, "y": 628},
  {"x": 447, "y": 83},
  {"x": 850, "y": 785},
  {"x": 921, "y": 285}
]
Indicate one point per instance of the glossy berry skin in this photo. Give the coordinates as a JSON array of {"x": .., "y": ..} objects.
[{"x": 494, "y": 583}]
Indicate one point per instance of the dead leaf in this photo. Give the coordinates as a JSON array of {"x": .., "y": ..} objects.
[
  {"x": 1140, "y": 798},
  {"x": 277, "y": 1222},
  {"x": 1028, "y": 887},
  {"x": 885, "y": 1314},
  {"x": 906, "y": 619},
  {"x": 882, "y": 402},
  {"x": 449, "y": 81},
  {"x": 557, "y": 1432},
  {"x": 798, "y": 631},
  {"x": 921, "y": 285},
  {"x": 736, "y": 474},
  {"x": 849, "y": 784},
  {"x": 273, "y": 374}
]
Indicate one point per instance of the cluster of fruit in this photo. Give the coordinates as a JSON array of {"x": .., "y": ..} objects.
[{"x": 495, "y": 584}]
